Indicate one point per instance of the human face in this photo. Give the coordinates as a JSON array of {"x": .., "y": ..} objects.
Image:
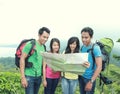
[
  {"x": 86, "y": 39},
  {"x": 73, "y": 46},
  {"x": 55, "y": 47},
  {"x": 43, "y": 38}
]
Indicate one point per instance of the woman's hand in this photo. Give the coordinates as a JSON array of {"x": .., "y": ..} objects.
[
  {"x": 86, "y": 64},
  {"x": 54, "y": 71},
  {"x": 45, "y": 83}
]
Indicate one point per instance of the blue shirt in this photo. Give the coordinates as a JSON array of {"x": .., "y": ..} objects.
[{"x": 97, "y": 52}]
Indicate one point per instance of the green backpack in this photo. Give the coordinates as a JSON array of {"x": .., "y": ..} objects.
[{"x": 106, "y": 45}]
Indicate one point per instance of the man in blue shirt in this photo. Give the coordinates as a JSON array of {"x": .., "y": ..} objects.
[{"x": 87, "y": 80}]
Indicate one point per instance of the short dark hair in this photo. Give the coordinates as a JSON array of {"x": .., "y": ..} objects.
[
  {"x": 89, "y": 30},
  {"x": 41, "y": 30}
]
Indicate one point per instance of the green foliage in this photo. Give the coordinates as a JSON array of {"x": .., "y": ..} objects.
[
  {"x": 1, "y": 67},
  {"x": 118, "y": 40},
  {"x": 6, "y": 59},
  {"x": 10, "y": 83},
  {"x": 113, "y": 73},
  {"x": 8, "y": 63},
  {"x": 116, "y": 57}
]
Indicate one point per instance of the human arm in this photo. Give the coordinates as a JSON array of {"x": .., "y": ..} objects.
[
  {"x": 44, "y": 75},
  {"x": 22, "y": 67},
  {"x": 98, "y": 61}
]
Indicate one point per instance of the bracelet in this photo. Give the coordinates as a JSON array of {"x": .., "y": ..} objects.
[{"x": 91, "y": 80}]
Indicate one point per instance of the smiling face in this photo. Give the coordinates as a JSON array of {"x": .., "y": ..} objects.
[
  {"x": 43, "y": 37},
  {"x": 86, "y": 38},
  {"x": 73, "y": 46},
  {"x": 55, "y": 47}
]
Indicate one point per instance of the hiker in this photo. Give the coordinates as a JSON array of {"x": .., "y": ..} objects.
[
  {"x": 31, "y": 77},
  {"x": 70, "y": 80},
  {"x": 51, "y": 77},
  {"x": 87, "y": 80}
]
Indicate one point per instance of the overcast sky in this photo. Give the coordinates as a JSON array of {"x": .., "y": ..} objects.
[{"x": 21, "y": 19}]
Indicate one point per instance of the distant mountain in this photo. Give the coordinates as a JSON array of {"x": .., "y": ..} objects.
[
  {"x": 6, "y": 63},
  {"x": 9, "y": 46}
]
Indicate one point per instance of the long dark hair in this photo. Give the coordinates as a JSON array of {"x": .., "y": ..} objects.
[
  {"x": 70, "y": 41},
  {"x": 51, "y": 43}
]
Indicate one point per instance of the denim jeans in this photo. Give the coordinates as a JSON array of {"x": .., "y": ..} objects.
[
  {"x": 69, "y": 85},
  {"x": 51, "y": 85},
  {"x": 82, "y": 83},
  {"x": 33, "y": 85}
]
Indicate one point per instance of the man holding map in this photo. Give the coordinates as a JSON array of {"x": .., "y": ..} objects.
[{"x": 87, "y": 80}]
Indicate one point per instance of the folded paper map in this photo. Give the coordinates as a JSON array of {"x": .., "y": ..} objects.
[{"x": 66, "y": 62}]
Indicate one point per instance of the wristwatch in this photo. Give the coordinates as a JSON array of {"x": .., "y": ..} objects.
[{"x": 91, "y": 80}]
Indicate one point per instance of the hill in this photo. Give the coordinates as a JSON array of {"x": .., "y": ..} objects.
[{"x": 7, "y": 63}]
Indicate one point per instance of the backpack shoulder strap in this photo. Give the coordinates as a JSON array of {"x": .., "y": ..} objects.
[
  {"x": 81, "y": 48},
  {"x": 32, "y": 46},
  {"x": 44, "y": 47},
  {"x": 93, "y": 57}
]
